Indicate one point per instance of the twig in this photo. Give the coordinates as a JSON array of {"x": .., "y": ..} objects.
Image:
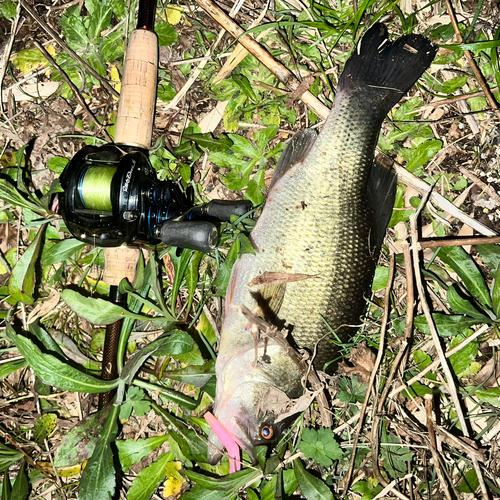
[
  {"x": 305, "y": 368},
  {"x": 454, "y": 99},
  {"x": 437, "y": 341},
  {"x": 34, "y": 14},
  {"x": 6, "y": 57},
  {"x": 346, "y": 481},
  {"x": 433, "y": 442},
  {"x": 472, "y": 63},
  {"x": 76, "y": 92},
  {"x": 460, "y": 241},
  {"x": 485, "y": 187}
]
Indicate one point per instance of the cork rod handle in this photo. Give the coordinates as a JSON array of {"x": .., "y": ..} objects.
[{"x": 134, "y": 124}]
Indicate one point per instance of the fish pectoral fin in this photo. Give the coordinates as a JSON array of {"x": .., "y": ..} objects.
[
  {"x": 381, "y": 193},
  {"x": 269, "y": 300},
  {"x": 295, "y": 153}
]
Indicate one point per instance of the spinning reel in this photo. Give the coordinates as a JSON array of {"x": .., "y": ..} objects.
[{"x": 112, "y": 197}]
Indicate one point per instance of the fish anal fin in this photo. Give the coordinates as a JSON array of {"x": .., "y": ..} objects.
[
  {"x": 295, "y": 153},
  {"x": 269, "y": 300}
]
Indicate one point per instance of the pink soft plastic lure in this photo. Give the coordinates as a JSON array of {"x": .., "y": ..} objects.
[{"x": 233, "y": 450}]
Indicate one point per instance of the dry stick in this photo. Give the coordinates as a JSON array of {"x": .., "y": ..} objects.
[
  {"x": 472, "y": 63},
  {"x": 283, "y": 74},
  {"x": 73, "y": 87},
  {"x": 383, "y": 329},
  {"x": 288, "y": 79},
  {"x": 433, "y": 442},
  {"x": 454, "y": 99},
  {"x": 304, "y": 367},
  {"x": 6, "y": 57},
  {"x": 435, "y": 337},
  {"x": 34, "y": 14},
  {"x": 457, "y": 242},
  {"x": 485, "y": 187}
]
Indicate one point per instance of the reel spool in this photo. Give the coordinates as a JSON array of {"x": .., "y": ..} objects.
[{"x": 113, "y": 198}]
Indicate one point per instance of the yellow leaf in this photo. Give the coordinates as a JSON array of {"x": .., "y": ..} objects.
[
  {"x": 176, "y": 483},
  {"x": 115, "y": 77},
  {"x": 71, "y": 471},
  {"x": 174, "y": 15}
]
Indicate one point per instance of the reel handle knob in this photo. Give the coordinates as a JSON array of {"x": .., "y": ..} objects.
[
  {"x": 223, "y": 209},
  {"x": 197, "y": 235}
]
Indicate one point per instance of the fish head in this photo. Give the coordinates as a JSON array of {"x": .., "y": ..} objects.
[{"x": 250, "y": 398}]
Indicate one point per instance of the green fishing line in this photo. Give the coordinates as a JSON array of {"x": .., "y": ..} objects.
[{"x": 95, "y": 188}]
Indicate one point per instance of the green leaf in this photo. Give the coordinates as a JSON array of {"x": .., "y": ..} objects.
[
  {"x": 8, "y": 9},
  {"x": 54, "y": 372},
  {"x": 148, "y": 480},
  {"x": 100, "y": 17},
  {"x": 490, "y": 255},
  {"x": 166, "y": 34},
  {"x": 231, "y": 483},
  {"x": 423, "y": 153},
  {"x": 462, "y": 305},
  {"x": 320, "y": 445},
  {"x": 463, "y": 264},
  {"x": 57, "y": 164},
  {"x": 98, "y": 480},
  {"x": 135, "y": 401},
  {"x": 224, "y": 272},
  {"x": 99, "y": 311},
  {"x": 462, "y": 360},
  {"x": 112, "y": 46},
  {"x": 8, "y": 368},
  {"x": 469, "y": 482},
  {"x": 8, "y": 456},
  {"x": 495, "y": 294},
  {"x": 21, "y": 487},
  {"x": 62, "y": 250},
  {"x": 178, "y": 342},
  {"x": 22, "y": 279},
  {"x": 381, "y": 277},
  {"x": 44, "y": 425},
  {"x": 132, "y": 451},
  {"x": 491, "y": 396},
  {"x": 180, "y": 266},
  {"x": 78, "y": 444},
  {"x": 263, "y": 137},
  {"x": 311, "y": 487},
  {"x": 191, "y": 274},
  {"x": 447, "y": 325},
  {"x": 193, "y": 375},
  {"x": 73, "y": 29}
]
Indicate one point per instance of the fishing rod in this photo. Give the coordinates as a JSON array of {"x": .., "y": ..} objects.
[{"x": 112, "y": 197}]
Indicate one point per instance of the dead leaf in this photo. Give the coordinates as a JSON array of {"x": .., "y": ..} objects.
[
  {"x": 363, "y": 361},
  {"x": 489, "y": 376},
  {"x": 272, "y": 278},
  {"x": 44, "y": 307}
]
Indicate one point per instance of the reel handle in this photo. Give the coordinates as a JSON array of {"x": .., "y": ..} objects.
[
  {"x": 136, "y": 107},
  {"x": 197, "y": 235}
]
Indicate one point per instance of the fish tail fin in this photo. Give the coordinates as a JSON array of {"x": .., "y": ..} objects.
[{"x": 391, "y": 68}]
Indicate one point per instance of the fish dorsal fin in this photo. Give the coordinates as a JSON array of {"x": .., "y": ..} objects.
[
  {"x": 294, "y": 153},
  {"x": 381, "y": 193},
  {"x": 269, "y": 299}
]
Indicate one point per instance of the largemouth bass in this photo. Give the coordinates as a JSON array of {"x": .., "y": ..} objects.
[{"x": 322, "y": 226}]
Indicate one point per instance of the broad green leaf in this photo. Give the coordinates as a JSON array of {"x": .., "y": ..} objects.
[
  {"x": 447, "y": 325},
  {"x": 463, "y": 264},
  {"x": 132, "y": 451},
  {"x": 8, "y": 9},
  {"x": 381, "y": 277},
  {"x": 166, "y": 34},
  {"x": 8, "y": 368},
  {"x": 135, "y": 402},
  {"x": 199, "y": 493},
  {"x": 463, "y": 359},
  {"x": 98, "y": 480},
  {"x": 44, "y": 426},
  {"x": 73, "y": 29},
  {"x": 62, "y": 250},
  {"x": 490, "y": 255},
  {"x": 193, "y": 375},
  {"x": 207, "y": 141},
  {"x": 112, "y": 45},
  {"x": 423, "y": 153},
  {"x": 231, "y": 483},
  {"x": 22, "y": 279},
  {"x": 57, "y": 164},
  {"x": 6, "y": 488},
  {"x": 495, "y": 294},
  {"x": 148, "y": 480},
  {"x": 178, "y": 342},
  {"x": 491, "y": 396},
  {"x": 469, "y": 482},
  {"x": 224, "y": 272},
  {"x": 100, "y": 18},
  {"x": 311, "y": 487},
  {"x": 21, "y": 486},
  {"x": 396, "y": 457},
  {"x": 54, "y": 372},
  {"x": 320, "y": 445},
  {"x": 78, "y": 444},
  {"x": 99, "y": 311},
  {"x": 462, "y": 305},
  {"x": 263, "y": 137},
  {"x": 269, "y": 489}
]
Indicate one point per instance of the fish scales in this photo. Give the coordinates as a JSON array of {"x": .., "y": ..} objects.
[{"x": 322, "y": 219}]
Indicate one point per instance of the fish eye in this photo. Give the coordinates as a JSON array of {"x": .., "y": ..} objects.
[{"x": 267, "y": 432}]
